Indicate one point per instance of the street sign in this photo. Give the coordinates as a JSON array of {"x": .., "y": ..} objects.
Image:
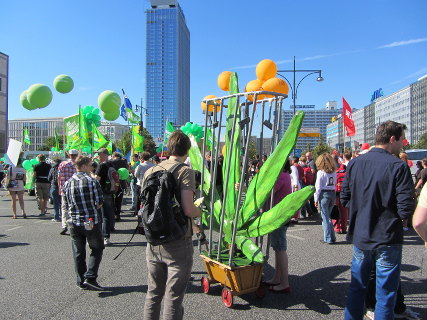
[
  {"x": 297, "y": 153},
  {"x": 309, "y": 132}
]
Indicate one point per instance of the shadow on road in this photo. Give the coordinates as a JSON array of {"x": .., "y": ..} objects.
[
  {"x": 12, "y": 244},
  {"x": 116, "y": 291}
]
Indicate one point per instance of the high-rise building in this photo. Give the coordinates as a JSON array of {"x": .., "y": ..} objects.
[
  {"x": 314, "y": 120},
  {"x": 419, "y": 108},
  {"x": 4, "y": 86},
  {"x": 167, "y": 67}
]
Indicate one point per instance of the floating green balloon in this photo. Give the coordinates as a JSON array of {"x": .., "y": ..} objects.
[
  {"x": 27, "y": 165},
  {"x": 111, "y": 116},
  {"x": 39, "y": 95},
  {"x": 109, "y": 101},
  {"x": 34, "y": 161},
  {"x": 63, "y": 83},
  {"x": 123, "y": 173},
  {"x": 24, "y": 101}
]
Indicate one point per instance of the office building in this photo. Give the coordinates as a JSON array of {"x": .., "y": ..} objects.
[
  {"x": 419, "y": 108},
  {"x": 407, "y": 106},
  {"x": 38, "y": 128},
  {"x": 4, "y": 86},
  {"x": 315, "y": 120},
  {"x": 113, "y": 131},
  {"x": 167, "y": 67},
  {"x": 41, "y": 128}
]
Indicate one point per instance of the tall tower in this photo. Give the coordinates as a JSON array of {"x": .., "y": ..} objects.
[
  {"x": 167, "y": 67},
  {"x": 4, "y": 84}
]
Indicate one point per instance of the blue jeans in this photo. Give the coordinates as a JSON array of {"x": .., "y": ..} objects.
[
  {"x": 79, "y": 236},
  {"x": 54, "y": 193},
  {"x": 107, "y": 210},
  {"x": 387, "y": 260},
  {"x": 326, "y": 202}
]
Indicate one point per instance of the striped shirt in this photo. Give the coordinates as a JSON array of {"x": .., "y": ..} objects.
[{"x": 81, "y": 194}]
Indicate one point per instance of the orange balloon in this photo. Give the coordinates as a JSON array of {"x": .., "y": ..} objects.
[
  {"x": 210, "y": 105},
  {"x": 254, "y": 85},
  {"x": 224, "y": 80},
  {"x": 275, "y": 85},
  {"x": 266, "y": 69}
]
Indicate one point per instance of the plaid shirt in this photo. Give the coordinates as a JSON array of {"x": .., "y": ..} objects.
[
  {"x": 66, "y": 170},
  {"x": 81, "y": 194}
]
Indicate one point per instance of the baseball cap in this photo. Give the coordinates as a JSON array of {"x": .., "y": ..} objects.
[
  {"x": 104, "y": 151},
  {"x": 73, "y": 151}
]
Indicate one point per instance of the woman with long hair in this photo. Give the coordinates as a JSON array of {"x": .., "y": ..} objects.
[
  {"x": 16, "y": 181},
  {"x": 324, "y": 196}
]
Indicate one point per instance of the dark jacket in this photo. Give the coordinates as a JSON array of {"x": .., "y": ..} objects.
[{"x": 379, "y": 192}]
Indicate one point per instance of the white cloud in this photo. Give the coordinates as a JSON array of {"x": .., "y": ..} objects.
[
  {"x": 416, "y": 74},
  {"x": 402, "y": 43}
]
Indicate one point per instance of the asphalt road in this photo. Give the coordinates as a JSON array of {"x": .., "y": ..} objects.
[{"x": 37, "y": 278}]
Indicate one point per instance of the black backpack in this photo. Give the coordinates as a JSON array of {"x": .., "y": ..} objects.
[{"x": 161, "y": 213}]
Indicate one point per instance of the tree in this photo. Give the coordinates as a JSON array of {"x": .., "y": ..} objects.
[
  {"x": 49, "y": 143},
  {"x": 320, "y": 148},
  {"x": 125, "y": 143},
  {"x": 422, "y": 143}
]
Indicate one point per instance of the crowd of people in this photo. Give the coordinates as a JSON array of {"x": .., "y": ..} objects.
[{"x": 370, "y": 196}]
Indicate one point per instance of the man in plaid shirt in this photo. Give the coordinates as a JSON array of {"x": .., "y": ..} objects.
[
  {"x": 65, "y": 171},
  {"x": 81, "y": 199}
]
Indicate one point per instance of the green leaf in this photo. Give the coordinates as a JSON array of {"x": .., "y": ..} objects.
[
  {"x": 279, "y": 214},
  {"x": 264, "y": 181},
  {"x": 249, "y": 249}
]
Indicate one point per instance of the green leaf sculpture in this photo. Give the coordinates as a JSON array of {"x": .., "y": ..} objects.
[{"x": 259, "y": 189}]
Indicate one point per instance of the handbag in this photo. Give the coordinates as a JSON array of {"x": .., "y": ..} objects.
[
  {"x": 9, "y": 182},
  {"x": 335, "y": 214}
]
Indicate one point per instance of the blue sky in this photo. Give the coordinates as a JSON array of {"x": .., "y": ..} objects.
[{"x": 360, "y": 46}]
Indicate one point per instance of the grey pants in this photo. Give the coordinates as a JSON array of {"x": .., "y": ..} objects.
[{"x": 169, "y": 270}]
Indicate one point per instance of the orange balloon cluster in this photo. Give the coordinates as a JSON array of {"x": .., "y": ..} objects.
[
  {"x": 224, "y": 80},
  {"x": 266, "y": 71},
  {"x": 210, "y": 104}
]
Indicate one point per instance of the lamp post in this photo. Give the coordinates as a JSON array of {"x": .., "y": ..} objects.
[
  {"x": 141, "y": 122},
  {"x": 294, "y": 87}
]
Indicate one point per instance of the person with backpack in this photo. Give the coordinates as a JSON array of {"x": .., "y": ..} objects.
[
  {"x": 119, "y": 162},
  {"x": 54, "y": 190},
  {"x": 41, "y": 173},
  {"x": 108, "y": 178},
  {"x": 143, "y": 166},
  {"x": 169, "y": 250},
  {"x": 307, "y": 180}
]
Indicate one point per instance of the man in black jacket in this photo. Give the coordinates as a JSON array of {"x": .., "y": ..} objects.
[{"x": 378, "y": 190}]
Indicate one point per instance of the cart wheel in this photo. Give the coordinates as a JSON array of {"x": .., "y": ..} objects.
[
  {"x": 260, "y": 292},
  {"x": 227, "y": 297},
  {"x": 205, "y": 284}
]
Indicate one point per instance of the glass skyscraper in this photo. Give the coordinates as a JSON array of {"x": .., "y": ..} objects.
[{"x": 167, "y": 67}]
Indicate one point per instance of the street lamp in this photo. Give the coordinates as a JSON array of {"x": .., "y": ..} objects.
[
  {"x": 294, "y": 87},
  {"x": 139, "y": 109}
]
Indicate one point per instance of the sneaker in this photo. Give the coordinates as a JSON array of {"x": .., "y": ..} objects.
[
  {"x": 42, "y": 214},
  {"x": 370, "y": 315},
  {"x": 91, "y": 284},
  {"x": 107, "y": 241},
  {"x": 407, "y": 314},
  {"x": 55, "y": 220},
  {"x": 81, "y": 286},
  {"x": 64, "y": 231}
]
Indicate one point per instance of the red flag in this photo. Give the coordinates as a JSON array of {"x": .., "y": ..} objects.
[{"x": 347, "y": 116}]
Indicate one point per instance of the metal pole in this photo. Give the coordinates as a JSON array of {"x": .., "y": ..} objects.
[
  {"x": 213, "y": 180},
  {"x": 227, "y": 176},
  {"x": 242, "y": 177}
]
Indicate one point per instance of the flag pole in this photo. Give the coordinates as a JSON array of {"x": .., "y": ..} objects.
[{"x": 164, "y": 138}]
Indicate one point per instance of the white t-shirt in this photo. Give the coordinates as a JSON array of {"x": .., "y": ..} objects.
[
  {"x": 141, "y": 169},
  {"x": 324, "y": 181},
  {"x": 295, "y": 177}
]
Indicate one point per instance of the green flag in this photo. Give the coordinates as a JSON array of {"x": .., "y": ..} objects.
[
  {"x": 71, "y": 128},
  {"x": 56, "y": 140},
  {"x": 109, "y": 147},
  {"x": 168, "y": 131},
  {"x": 132, "y": 116},
  {"x": 83, "y": 132},
  {"x": 137, "y": 140},
  {"x": 99, "y": 140},
  {"x": 27, "y": 137}
]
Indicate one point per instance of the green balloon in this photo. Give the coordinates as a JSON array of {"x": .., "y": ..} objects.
[
  {"x": 34, "y": 161},
  {"x": 63, "y": 83},
  {"x": 109, "y": 101},
  {"x": 95, "y": 111},
  {"x": 39, "y": 95},
  {"x": 27, "y": 165},
  {"x": 111, "y": 116},
  {"x": 123, "y": 173},
  {"x": 87, "y": 109},
  {"x": 24, "y": 101}
]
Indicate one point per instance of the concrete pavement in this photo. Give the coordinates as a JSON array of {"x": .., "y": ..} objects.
[{"x": 37, "y": 277}]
